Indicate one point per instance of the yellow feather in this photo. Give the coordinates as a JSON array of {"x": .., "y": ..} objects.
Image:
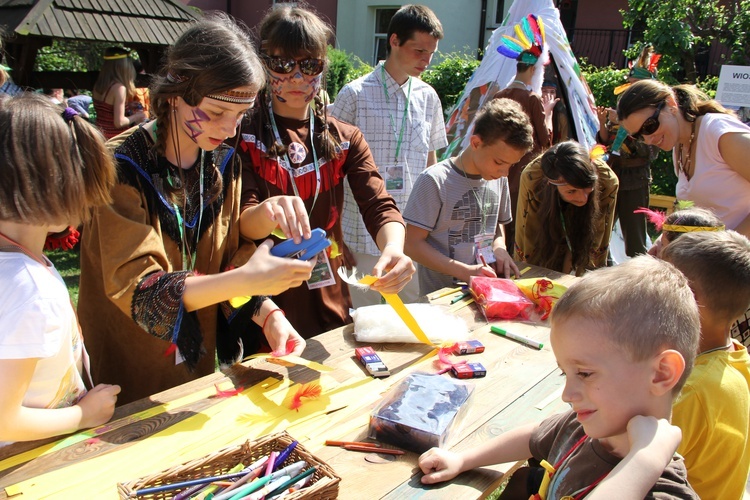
[{"x": 522, "y": 37}]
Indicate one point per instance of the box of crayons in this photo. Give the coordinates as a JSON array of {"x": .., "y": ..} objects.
[{"x": 243, "y": 471}]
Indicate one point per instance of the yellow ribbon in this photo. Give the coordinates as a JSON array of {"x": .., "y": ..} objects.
[{"x": 397, "y": 304}]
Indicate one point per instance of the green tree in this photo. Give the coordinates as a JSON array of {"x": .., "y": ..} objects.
[
  {"x": 342, "y": 69},
  {"x": 70, "y": 55},
  {"x": 680, "y": 29},
  {"x": 450, "y": 75}
]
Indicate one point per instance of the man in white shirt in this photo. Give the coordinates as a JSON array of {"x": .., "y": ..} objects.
[{"x": 402, "y": 120}]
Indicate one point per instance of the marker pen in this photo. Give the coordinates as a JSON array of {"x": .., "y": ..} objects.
[{"x": 518, "y": 338}]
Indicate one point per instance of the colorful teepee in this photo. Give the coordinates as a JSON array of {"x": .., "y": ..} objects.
[{"x": 497, "y": 71}]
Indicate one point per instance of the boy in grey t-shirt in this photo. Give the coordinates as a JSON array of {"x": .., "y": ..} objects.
[{"x": 457, "y": 209}]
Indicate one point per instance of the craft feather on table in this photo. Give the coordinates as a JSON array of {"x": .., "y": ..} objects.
[{"x": 306, "y": 391}]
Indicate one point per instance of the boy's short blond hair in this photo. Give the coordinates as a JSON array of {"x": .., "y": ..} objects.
[
  {"x": 717, "y": 265},
  {"x": 644, "y": 306}
]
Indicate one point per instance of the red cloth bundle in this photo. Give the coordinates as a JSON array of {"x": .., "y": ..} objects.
[{"x": 500, "y": 298}]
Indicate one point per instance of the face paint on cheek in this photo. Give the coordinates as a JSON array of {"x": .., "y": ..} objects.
[
  {"x": 315, "y": 87},
  {"x": 277, "y": 85},
  {"x": 194, "y": 125}
]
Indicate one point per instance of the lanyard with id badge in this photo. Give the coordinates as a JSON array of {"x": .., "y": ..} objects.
[
  {"x": 483, "y": 253},
  {"x": 322, "y": 274},
  {"x": 395, "y": 173}
]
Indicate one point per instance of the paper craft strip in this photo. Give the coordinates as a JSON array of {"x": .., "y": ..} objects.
[{"x": 397, "y": 304}]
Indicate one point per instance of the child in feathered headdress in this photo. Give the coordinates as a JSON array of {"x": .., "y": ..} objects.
[
  {"x": 630, "y": 160},
  {"x": 529, "y": 49}
]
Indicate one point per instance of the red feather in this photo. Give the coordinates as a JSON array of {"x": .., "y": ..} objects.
[
  {"x": 655, "y": 217},
  {"x": 444, "y": 362},
  {"x": 172, "y": 348},
  {"x": 653, "y": 62},
  {"x": 308, "y": 391},
  {"x": 64, "y": 240},
  {"x": 289, "y": 348},
  {"x": 229, "y": 393}
]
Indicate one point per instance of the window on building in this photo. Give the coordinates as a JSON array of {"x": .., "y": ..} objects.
[
  {"x": 500, "y": 12},
  {"x": 382, "y": 19}
]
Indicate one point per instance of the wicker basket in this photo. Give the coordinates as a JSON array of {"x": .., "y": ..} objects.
[{"x": 323, "y": 485}]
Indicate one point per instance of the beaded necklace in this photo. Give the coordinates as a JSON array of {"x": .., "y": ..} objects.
[{"x": 684, "y": 167}]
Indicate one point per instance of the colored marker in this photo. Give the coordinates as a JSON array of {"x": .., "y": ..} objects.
[
  {"x": 484, "y": 262},
  {"x": 355, "y": 443},
  {"x": 518, "y": 338},
  {"x": 461, "y": 297},
  {"x": 285, "y": 454},
  {"x": 234, "y": 473},
  {"x": 249, "y": 488},
  {"x": 293, "y": 480}
]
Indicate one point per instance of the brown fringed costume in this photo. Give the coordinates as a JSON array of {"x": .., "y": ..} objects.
[
  {"x": 529, "y": 223},
  {"x": 132, "y": 279}
]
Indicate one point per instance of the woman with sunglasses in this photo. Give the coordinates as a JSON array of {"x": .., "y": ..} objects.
[
  {"x": 159, "y": 261},
  {"x": 295, "y": 160},
  {"x": 710, "y": 146},
  {"x": 566, "y": 208}
]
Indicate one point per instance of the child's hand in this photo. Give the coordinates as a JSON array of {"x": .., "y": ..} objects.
[
  {"x": 439, "y": 465},
  {"x": 98, "y": 405},
  {"x": 658, "y": 435},
  {"x": 282, "y": 337}
]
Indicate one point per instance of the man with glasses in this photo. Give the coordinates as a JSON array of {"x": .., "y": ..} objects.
[{"x": 402, "y": 120}]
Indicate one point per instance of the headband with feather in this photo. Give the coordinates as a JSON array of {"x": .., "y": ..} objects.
[{"x": 528, "y": 45}]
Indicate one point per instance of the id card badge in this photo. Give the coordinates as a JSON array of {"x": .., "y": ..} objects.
[
  {"x": 322, "y": 274},
  {"x": 394, "y": 178},
  {"x": 483, "y": 247}
]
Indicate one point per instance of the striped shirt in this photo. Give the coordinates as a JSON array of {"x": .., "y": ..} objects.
[{"x": 454, "y": 208}]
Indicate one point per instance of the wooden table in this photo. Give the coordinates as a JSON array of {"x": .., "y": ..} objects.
[{"x": 522, "y": 385}]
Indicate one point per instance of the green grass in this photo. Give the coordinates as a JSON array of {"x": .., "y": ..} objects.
[{"x": 68, "y": 264}]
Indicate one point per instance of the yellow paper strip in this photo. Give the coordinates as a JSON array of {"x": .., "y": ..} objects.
[
  {"x": 296, "y": 360},
  {"x": 397, "y": 304}
]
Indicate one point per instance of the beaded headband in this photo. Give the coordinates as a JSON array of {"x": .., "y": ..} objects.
[
  {"x": 691, "y": 229},
  {"x": 114, "y": 57},
  {"x": 235, "y": 96}
]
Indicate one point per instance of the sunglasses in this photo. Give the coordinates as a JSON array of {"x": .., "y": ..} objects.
[
  {"x": 651, "y": 124},
  {"x": 309, "y": 67}
]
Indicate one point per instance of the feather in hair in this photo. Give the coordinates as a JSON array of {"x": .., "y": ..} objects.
[
  {"x": 540, "y": 23},
  {"x": 655, "y": 217},
  {"x": 526, "y": 27},
  {"x": 522, "y": 37},
  {"x": 512, "y": 43},
  {"x": 653, "y": 62},
  {"x": 597, "y": 152},
  {"x": 503, "y": 50},
  {"x": 313, "y": 390}
]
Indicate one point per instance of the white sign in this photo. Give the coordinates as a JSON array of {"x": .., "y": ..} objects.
[{"x": 734, "y": 86}]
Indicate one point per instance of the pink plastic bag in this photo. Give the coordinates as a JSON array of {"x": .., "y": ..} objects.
[{"x": 500, "y": 298}]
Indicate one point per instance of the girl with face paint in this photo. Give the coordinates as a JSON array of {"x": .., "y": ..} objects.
[
  {"x": 295, "y": 161},
  {"x": 166, "y": 281}
]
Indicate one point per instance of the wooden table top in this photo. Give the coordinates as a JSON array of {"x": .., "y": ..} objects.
[{"x": 521, "y": 386}]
